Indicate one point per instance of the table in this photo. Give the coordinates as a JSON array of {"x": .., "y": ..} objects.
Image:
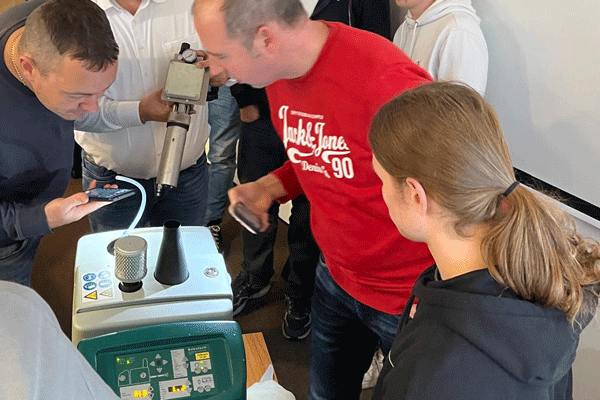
[{"x": 257, "y": 357}]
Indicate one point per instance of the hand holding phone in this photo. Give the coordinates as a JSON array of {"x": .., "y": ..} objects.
[
  {"x": 109, "y": 194},
  {"x": 246, "y": 218}
]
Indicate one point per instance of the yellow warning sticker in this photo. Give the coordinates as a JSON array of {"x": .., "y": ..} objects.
[
  {"x": 93, "y": 295},
  {"x": 202, "y": 356}
]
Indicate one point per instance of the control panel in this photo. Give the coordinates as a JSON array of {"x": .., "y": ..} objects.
[{"x": 194, "y": 360}]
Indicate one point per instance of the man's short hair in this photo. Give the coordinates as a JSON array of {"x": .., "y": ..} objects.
[
  {"x": 75, "y": 28},
  {"x": 244, "y": 17}
]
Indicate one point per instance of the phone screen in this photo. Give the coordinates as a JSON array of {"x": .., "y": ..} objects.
[{"x": 110, "y": 194}]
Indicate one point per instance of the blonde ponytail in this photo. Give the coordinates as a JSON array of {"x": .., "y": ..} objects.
[{"x": 532, "y": 247}]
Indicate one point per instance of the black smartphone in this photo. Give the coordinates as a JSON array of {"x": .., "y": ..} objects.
[
  {"x": 111, "y": 194},
  {"x": 246, "y": 218}
]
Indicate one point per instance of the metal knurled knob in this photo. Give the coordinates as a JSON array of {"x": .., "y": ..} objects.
[{"x": 130, "y": 259}]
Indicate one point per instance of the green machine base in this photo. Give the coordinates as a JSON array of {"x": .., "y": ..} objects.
[{"x": 195, "y": 360}]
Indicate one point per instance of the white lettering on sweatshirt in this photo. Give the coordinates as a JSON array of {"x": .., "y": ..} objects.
[{"x": 309, "y": 132}]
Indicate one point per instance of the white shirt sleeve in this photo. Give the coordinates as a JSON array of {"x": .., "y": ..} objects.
[
  {"x": 111, "y": 116},
  {"x": 38, "y": 360}
]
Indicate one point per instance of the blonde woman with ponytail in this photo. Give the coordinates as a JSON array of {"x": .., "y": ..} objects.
[{"x": 500, "y": 313}]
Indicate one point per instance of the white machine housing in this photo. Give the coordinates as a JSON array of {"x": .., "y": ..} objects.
[{"x": 100, "y": 307}]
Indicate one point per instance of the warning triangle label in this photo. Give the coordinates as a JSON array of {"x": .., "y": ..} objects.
[{"x": 93, "y": 295}]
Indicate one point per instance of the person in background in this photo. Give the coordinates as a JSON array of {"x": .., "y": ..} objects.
[
  {"x": 500, "y": 313},
  {"x": 444, "y": 37},
  {"x": 370, "y": 15},
  {"x": 225, "y": 126},
  {"x": 324, "y": 82},
  {"x": 126, "y": 135},
  {"x": 261, "y": 152},
  {"x": 59, "y": 58}
]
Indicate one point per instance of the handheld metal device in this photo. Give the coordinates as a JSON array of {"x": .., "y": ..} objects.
[{"x": 186, "y": 85}]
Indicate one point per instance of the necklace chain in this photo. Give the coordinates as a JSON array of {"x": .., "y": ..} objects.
[{"x": 13, "y": 58}]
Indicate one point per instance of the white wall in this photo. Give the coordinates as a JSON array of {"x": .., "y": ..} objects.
[{"x": 544, "y": 82}]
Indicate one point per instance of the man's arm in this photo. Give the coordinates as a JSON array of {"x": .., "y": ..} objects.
[
  {"x": 390, "y": 80},
  {"x": 113, "y": 115},
  {"x": 28, "y": 324},
  {"x": 288, "y": 180},
  {"x": 252, "y": 102},
  {"x": 258, "y": 196},
  {"x": 20, "y": 222}
]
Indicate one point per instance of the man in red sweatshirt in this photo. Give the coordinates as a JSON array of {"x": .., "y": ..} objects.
[{"x": 325, "y": 82}]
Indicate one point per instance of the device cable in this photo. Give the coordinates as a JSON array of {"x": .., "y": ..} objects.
[{"x": 142, "y": 203}]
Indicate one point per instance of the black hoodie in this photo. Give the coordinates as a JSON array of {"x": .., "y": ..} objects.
[
  {"x": 472, "y": 338},
  {"x": 370, "y": 15}
]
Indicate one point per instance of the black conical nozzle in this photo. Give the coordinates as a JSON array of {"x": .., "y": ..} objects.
[{"x": 171, "y": 268}]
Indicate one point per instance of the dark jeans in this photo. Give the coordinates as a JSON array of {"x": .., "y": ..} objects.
[
  {"x": 185, "y": 203},
  {"x": 261, "y": 152},
  {"x": 16, "y": 261},
  {"x": 345, "y": 335}
]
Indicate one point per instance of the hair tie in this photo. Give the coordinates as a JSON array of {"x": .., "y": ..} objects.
[{"x": 510, "y": 189}]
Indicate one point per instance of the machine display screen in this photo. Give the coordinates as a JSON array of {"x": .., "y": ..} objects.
[{"x": 140, "y": 394}]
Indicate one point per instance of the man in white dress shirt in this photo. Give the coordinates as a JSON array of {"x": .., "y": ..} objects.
[{"x": 133, "y": 118}]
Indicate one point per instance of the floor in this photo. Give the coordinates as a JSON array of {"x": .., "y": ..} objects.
[{"x": 53, "y": 279}]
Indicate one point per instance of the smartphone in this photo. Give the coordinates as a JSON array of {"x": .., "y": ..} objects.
[
  {"x": 246, "y": 218},
  {"x": 112, "y": 194}
]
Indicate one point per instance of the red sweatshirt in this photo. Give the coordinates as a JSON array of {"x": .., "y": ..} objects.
[{"x": 323, "y": 118}]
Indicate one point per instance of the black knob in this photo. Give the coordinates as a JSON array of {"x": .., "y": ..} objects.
[{"x": 184, "y": 47}]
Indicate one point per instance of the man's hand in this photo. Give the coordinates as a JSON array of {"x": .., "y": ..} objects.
[
  {"x": 249, "y": 113},
  {"x": 153, "y": 108},
  {"x": 63, "y": 211},
  {"x": 257, "y": 196},
  {"x": 215, "y": 80},
  {"x": 218, "y": 80}
]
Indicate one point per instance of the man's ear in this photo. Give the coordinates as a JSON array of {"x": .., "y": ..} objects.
[
  {"x": 28, "y": 67},
  {"x": 264, "y": 41},
  {"x": 417, "y": 195}
]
